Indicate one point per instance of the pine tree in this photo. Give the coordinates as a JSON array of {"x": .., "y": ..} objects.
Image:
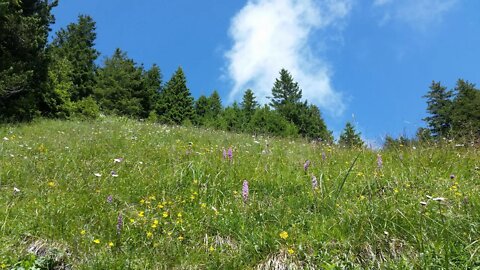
[
  {"x": 76, "y": 44},
  {"x": 24, "y": 27},
  {"x": 201, "y": 110},
  {"x": 215, "y": 105},
  {"x": 349, "y": 137},
  {"x": 152, "y": 83},
  {"x": 176, "y": 102},
  {"x": 313, "y": 125},
  {"x": 439, "y": 106}
]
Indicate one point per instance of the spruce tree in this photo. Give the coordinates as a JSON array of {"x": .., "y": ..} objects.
[
  {"x": 465, "y": 111},
  {"x": 286, "y": 95},
  {"x": 24, "y": 27},
  {"x": 201, "y": 110},
  {"x": 349, "y": 137},
  {"x": 121, "y": 88},
  {"x": 176, "y": 102},
  {"x": 152, "y": 86},
  {"x": 215, "y": 105},
  {"x": 439, "y": 106},
  {"x": 76, "y": 44},
  {"x": 249, "y": 104}
]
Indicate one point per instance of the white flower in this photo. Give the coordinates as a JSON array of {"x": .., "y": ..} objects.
[
  {"x": 429, "y": 197},
  {"x": 117, "y": 160},
  {"x": 114, "y": 174},
  {"x": 439, "y": 199},
  {"x": 5, "y": 138},
  {"x": 16, "y": 190},
  {"x": 423, "y": 203},
  {"x": 97, "y": 175}
]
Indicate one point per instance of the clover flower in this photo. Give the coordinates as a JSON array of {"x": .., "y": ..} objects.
[{"x": 109, "y": 199}]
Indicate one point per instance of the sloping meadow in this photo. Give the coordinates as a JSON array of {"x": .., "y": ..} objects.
[{"x": 122, "y": 194}]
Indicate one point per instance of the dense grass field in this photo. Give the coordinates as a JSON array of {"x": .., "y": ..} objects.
[{"x": 121, "y": 194}]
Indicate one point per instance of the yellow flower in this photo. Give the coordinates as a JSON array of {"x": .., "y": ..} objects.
[
  {"x": 83, "y": 232},
  {"x": 110, "y": 244},
  {"x": 165, "y": 214},
  {"x": 142, "y": 201},
  {"x": 192, "y": 197},
  {"x": 159, "y": 206},
  {"x": 211, "y": 249},
  {"x": 203, "y": 205},
  {"x": 3, "y": 266},
  {"x": 149, "y": 234},
  {"x": 291, "y": 251},
  {"x": 179, "y": 215},
  {"x": 359, "y": 174},
  {"x": 154, "y": 226},
  {"x": 152, "y": 198},
  {"x": 180, "y": 238},
  {"x": 235, "y": 192},
  {"x": 284, "y": 235},
  {"x": 51, "y": 184},
  {"x": 141, "y": 214},
  {"x": 96, "y": 241},
  {"x": 155, "y": 221},
  {"x": 395, "y": 190},
  {"x": 195, "y": 181},
  {"x": 169, "y": 233},
  {"x": 132, "y": 220},
  {"x": 362, "y": 197}
]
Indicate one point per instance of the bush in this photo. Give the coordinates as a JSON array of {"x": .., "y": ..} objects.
[{"x": 87, "y": 108}]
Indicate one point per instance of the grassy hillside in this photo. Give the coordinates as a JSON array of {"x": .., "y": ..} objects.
[{"x": 120, "y": 194}]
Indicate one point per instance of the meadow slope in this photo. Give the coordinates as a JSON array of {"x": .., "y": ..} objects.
[{"x": 121, "y": 194}]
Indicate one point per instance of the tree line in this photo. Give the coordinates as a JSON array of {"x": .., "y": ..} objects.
[{"x": 60, "y": 79}]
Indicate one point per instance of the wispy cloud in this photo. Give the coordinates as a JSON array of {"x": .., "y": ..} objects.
[
  {"x": 419, "y": 14},
  {"x": 272, "y": 34}
]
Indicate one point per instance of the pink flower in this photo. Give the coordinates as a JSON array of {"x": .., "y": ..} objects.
[{"x": 245, "y": 191}]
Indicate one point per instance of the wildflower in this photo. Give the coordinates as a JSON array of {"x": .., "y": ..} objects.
[
  {"x": 395, "y": 190},
  {"x": 245, "y": 191},
  {"x": 362, "y": 197},
  {"x": 324, "y": 156},
  {"x": 113, "y": 174},
  {"x": 203, "y": 205},
  {"x": 291, "y": 251},
  {"x": 179, "y": 215},
  {"x": 452, "y": 176},
  {"x": 132, "y": 220},
  {"x": 96, "y": 241},
  {"x": 149, "y": 234},
  {"x": 306, "y": 165},
  {"x": 439, "y": 199},
  {"x": 314, "y": 183},
  {"x": 97, "y": 175},
  {"x": 16, "y": 190},
  {"x": 117, "y": 160},
  {"x": 110, "y": 244},
  {"x": 230, "y": 153},
  {"x": 109, "y": 199},
  {"x": 5, "y": 139},
  {"x": 423, "y": 203},
  {"x": 379, "y": 161},
  {"x": 283, "y": 235},
  {"x": 224, "y": 154},
  {"x": 120, "y": 223},
  {"x": 155, "y": 221},
  {"x": 51, "y": 184},
  {"x": 180, "y": 238},
  {"x": 142, "y": 201},
  {"x": 141, "y": 214},
  {"x": 160, "y": 206},
  {"x": 211, "y": 249},
  {"x": 83, "y": 232},
  {"x": 165, "y": 214}
]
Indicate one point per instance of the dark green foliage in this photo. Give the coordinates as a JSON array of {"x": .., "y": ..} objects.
[
  {"x": 76, "y": 44},
  {"x": 176, "y": 103},
  {"x": 57, "y": 99},
  {"x": 86, "y": 108},
  {"x": 466, "y": 111},
  {"x": 231, "y": 118},
  {"x": 215, "y": 104},
  {"x": 121, "y": 89},
  {"x": 439, "y": 106},
  {"x": 248, "y": 105},
  {"x": 151, "y": 94},
  {"x": 24, "y": 27},
  {"x": 349, "y": 137},
  {"x": 268, "y": 121},
  {"x": 312, "y": 124},
  {"x": 201, "y": 110}
]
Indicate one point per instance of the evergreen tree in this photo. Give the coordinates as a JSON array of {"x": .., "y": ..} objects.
[
  {"x": 266, "y": 121},
  {"x": 439, "y": 106},
  {"x": 349, "y": 137},
  {"x": 215, "y": 105},
  {"x": 466, "y": 111},
  {"x": 286, "y": 95},
  {"x": 121, "y": 88},
  {"x": 76, "y": 44},
  {"x": 248, "y": 105},
  {"x": 201, "y": 110},
  {"x": 152, "y": 83},
  {"x": 230, "y": 119},
  {"x": 313, "y": 125},
  {"x": 176, "y": 102},
  {"x": 24, "y": 27}
]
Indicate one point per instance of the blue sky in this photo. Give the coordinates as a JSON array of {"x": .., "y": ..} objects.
[{"x": 365, "y": 61}]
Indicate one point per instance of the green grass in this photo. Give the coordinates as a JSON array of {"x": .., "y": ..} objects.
[{"x": 359, "y": 217}]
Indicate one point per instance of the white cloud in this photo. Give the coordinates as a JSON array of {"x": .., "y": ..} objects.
[
  {"x": 272, "y": 34},
  {"x": 419, "y": 14}
]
